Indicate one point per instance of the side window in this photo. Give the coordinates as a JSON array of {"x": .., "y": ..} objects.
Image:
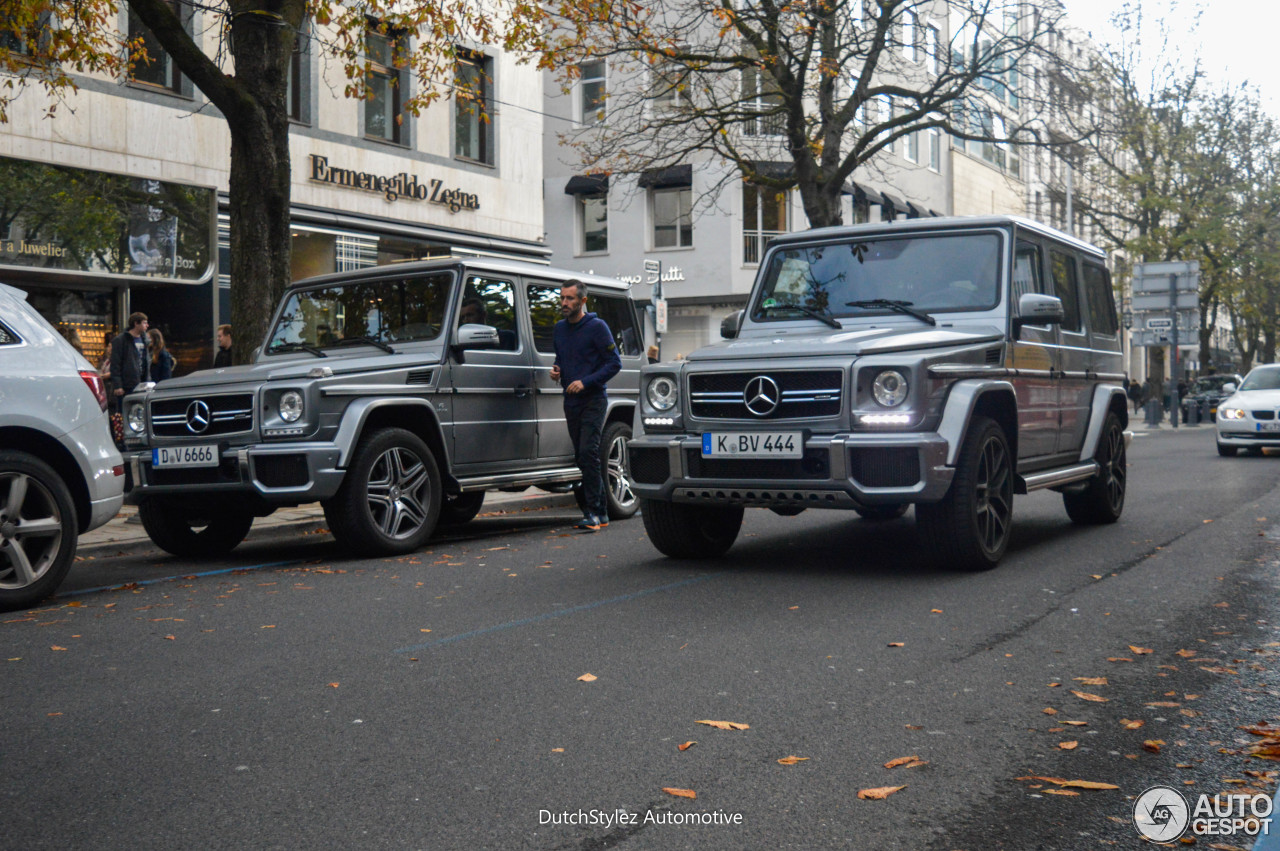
[
  {"x": 1027, "y": 275},
  {"x": 7, "y": 337},
  {"x": 487, "y": 301},
  {"x": 617, "y": 313},
  {"x": 1102, "y": 301},
  {"x": 1067, "y": 288},
  {"x": 544, "y": 313}
]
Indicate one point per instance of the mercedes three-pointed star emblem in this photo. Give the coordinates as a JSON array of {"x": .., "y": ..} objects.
[
  {"x": 761, "y": 395},
  {"x": 198, "y": 417}
]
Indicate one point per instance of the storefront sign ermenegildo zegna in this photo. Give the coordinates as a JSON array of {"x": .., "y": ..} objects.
[{"x": 401, "y": 185}]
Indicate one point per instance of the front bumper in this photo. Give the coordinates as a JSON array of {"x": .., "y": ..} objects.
[
  {"x": 846, "y": 471},
  {"x": 1237, "y": 436},
  {"x": 286, "y": 474}
]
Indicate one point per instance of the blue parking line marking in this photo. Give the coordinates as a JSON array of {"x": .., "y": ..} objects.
[
  {"x": 439, "y": 642},
  {"x": 200, "y": 575}
]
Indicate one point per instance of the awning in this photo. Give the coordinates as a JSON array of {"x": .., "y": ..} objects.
[
  {"x": 895, "y": 202},
  {"x": 661, "y": 178},
  {"x": 935, "y": 214},
  {"x": 917, "y": 211},
  {"x": 587, "y": 184},
  {"x": 862, "y": 192},
  {"x": 774, "y": 169}
]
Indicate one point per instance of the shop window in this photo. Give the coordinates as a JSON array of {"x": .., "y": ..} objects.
[
  {"x": 591, "y": 92},
  {"x": 157, "y": 68},
  {"x": 672, "y": 217},
  {"x": 385, "y": 80},
  {"x": 593, "y": 220},
  {"x": 473, "y": 108}
]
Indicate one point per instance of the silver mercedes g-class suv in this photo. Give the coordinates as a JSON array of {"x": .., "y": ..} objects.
[
  {"x": 948, "y": 363},
  {"x": 396, "y": 396}
]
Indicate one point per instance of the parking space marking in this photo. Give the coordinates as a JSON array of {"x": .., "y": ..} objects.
[
  {"x": 572, "y": 610},
  {"x": 200, "y": 575}
]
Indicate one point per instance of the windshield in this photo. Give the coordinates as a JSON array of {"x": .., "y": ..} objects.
[
  {"x": 1263, "y": 378},
  {"x": 1212, "y": 383},
  {"x": 936, "y": 273},
  {"x": 386, "y": 311}
]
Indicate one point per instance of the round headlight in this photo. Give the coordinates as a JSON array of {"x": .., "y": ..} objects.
[
  {"x": 1230, "y": 414},
  {"x": 137, "y": 418},
  {"x": 890, "y": 388},
  {"x": 291, "y": 406},
  {"x": 662, "y": 393}
]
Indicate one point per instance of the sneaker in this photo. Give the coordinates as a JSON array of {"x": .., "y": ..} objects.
[
  {"x": 588, "y": 524},
  {"x": 602, "y": 522}
]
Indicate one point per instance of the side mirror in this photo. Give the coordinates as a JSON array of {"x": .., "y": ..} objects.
[
  {"x": 730, "y": 325},
  {"x": 475, "y": 337},
  {"x": 1229, "y": 387},
  {"x": 1037, "y": 309}
]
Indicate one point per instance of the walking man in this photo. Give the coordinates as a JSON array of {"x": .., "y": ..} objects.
[
  {"x": 222, "y": 357},
  {"x": 586, "y": 358}
]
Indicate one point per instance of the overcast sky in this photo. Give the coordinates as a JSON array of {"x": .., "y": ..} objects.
[{"x": 1237, "y": 40}]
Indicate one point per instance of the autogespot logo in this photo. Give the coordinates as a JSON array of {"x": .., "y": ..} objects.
[{"x": 1161, "y": 814}]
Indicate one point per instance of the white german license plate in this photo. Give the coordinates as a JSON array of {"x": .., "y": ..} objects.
[
  {"x": 205, "y": 455},
  {"x": 753, "y": 444},
  {"x": 1269, "y": 426}
]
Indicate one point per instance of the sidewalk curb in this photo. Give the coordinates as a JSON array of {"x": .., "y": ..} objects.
[{"x": 269, "y": 528}]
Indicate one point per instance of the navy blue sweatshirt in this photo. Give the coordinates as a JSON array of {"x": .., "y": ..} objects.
[{"x": 585, "y": 352}]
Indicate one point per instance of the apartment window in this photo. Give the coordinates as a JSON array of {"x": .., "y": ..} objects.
[
  {"x": 298, "y": 88},
  {"x": 382, "y": 118},
  {"x": 26, "y": 41},
  {"x": 670, "y": 87},
  {"x": 760, "y": 98},
  {"x": 910, "y": 28},
  {"x": 591, "y": 91},
  {"x": 673, "y": 217},
  {"x": 764, "y": 216},
  {"x": 884, "y": 114},
  {"x": 935, "y": 148},
  {"x": 157, "y": 68},
  {"x": 593, "y": 219},
  {"x": 931, "y": 57},
  {"x": 473, "y": 108},
  {"x": 911, "y": 147}
]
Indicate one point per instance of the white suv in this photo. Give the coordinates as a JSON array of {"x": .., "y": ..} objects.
[{"x": 60, "y": 473}]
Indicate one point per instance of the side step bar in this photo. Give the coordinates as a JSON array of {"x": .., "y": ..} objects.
[
  {"x": 544, "y": 477},
  {"x": 1054, "y": 478}
]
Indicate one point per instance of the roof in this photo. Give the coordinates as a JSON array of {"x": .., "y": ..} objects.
[
  {"x": 496, "y": 265},
  {"x": 933, "y": 225}
]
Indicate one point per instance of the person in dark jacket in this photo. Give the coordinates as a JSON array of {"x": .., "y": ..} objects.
[
  {"x": 161, "y": 360},
  {"x": 586, "y": 358},
  {"x": 130, "y": 365},
  {"x": 222, "y": 357}
]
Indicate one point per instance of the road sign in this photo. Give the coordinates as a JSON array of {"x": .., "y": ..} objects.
[
  {"x": 1162, "y": 337},
  {"x": 1159, "y": 322},
  {"x": 652, "y": 271},
  {"x": 660, "y": 315},
  {"x": 1160, "y": 301},
  {"x": 1155, "y": 277}
]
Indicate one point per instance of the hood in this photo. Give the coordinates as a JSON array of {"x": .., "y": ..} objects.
[
  {"x": 848, "y": 341},
  {"x": 1254, "y": 399},
  {"x": 293, "y": 368}
]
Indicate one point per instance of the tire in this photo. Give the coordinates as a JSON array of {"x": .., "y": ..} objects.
[
  {"x": 457, "y": 509},
  {"x": 619, "y": 496},
  {"x": 1254, "y": 451},
  {"x": 1227, "y": 451},
  {"x": 971, "y": 525},
  {"x": 883, "y": 512},
  {"x": 1102, "y": 499},
  {"x": 389, "y": 501},
  {"x": 691, "y": 531},
  {"x": 182, "y": 529},
  {"x": 38, "y": 530}
]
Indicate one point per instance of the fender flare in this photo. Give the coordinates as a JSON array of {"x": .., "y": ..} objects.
[
  {"x": 961, "y": 400},
  {"x": 1102, "y": 397},
  {"x": 357, "y": 413}
]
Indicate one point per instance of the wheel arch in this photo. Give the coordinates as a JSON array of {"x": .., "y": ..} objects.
[
  {"x": 621, "y": 412},
  {"x": 52, "y": 452},
  {"x": 976, "y": 397},
  {"x": 414, "y": 415},
  {"x": 1107, "y": 399}
]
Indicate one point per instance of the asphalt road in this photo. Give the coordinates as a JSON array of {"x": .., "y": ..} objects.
[{"x": 303, "y": 698}]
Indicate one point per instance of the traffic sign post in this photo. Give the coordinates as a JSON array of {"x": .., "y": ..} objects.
[
  {"x": 1167, "y": 294},
  {"x": 653, "y": 276}
]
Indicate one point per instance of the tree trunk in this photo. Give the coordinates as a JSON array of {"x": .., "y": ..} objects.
[
  {"x": 260, "y": 181},
  {"x": 821, "y": 204}
]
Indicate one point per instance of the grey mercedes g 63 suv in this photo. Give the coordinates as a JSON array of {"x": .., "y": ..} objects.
[
  {"x": 395, "y": 395},
  {"x": 948, "y": 363}
]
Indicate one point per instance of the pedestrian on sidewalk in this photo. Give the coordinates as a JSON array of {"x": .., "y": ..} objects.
[
  {"x": 130, "y": 365},
  {"x": 222, "y": 357},
  {"x": 161, "y": 360},
  {"x": 586, "y": 358},
  {"x": 1135, "y": 394}
]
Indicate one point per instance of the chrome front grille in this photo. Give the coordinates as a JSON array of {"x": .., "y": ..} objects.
[
  {"x": 798, "y": 394},
  {"x": 202, "y": 416}
]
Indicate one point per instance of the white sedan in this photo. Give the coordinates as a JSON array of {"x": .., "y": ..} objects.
[{"x": 1248, "y": 418}]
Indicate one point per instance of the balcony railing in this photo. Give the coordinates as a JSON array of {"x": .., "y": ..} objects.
[{"x": 754, "y": 243}]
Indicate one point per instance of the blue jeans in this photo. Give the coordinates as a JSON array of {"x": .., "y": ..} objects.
[{"x": 586, "y": 423}]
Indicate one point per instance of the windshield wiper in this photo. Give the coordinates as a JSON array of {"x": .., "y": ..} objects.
[
  {"x": 895, "y": 306},
  {"x": 293, "y": 347},
  {"x": 346, "y": 341},
  {"x": 808, "y": 311}
]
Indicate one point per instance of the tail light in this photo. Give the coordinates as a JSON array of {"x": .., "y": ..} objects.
[{"x": 94, "y": 381}]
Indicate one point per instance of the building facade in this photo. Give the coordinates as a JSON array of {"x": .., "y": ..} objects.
[{"x": 148, "y": 159}]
